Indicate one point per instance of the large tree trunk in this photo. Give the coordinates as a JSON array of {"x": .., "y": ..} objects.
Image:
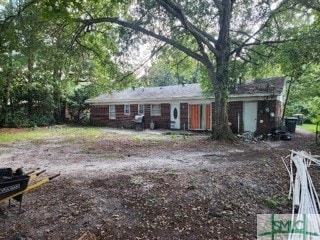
[
  {"x": 6, "y": 94},
  {"x": 30, "y": 92},
  {"x": 218, "y": 70},
  {"x": 220, "y": 124},
  {"x": 221, "y": 128},
  {"x": 3, "y": 108},
  {"x": 59, "y": 111}
]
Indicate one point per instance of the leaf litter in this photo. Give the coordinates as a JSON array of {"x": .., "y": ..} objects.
[{"x": 129, "y": 188}]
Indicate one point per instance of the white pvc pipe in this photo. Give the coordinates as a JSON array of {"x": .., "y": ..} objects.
[{"x": 304, "y": 193}]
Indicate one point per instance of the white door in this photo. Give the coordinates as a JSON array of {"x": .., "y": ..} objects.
[
  {"x": 250, "y": 111},
  {"x": 175, "y": 116}
]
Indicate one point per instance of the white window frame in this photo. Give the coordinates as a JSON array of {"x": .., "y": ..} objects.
[
  {"x": 112, "y": 111},
  {"x": 140, "y": 109},
  {"x": 126, "y": 109},
  {"x": 155, "y": 109}
]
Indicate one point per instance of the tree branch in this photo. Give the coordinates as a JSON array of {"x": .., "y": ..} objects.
[
  {"x": 135, "y": 27},
  {"x": 263, "y": 26},
  {"x": 313, "y": 4},
  {"x": 256, "y": 43},
  {"x": 8, "y": 20},
  {"x": 197, "y": 33},
  {"x": 153, "y": 53},
  {"x": 98, "y": 54}
]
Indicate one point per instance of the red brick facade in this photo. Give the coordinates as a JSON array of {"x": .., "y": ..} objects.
[
  {"x": 267, "y": 116},
  {"x": 162, "y": 121},
  {"x": 235, "y": 110},
  {"x": 99, "y": 116}
]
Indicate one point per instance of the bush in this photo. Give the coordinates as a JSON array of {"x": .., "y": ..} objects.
[{"x": 21, "y": 119}]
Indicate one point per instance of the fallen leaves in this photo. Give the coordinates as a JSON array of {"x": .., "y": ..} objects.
[{"x": 216, "y": 200}]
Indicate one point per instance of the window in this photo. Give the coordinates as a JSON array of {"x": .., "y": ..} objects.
[
  {"x": 140, "y": 109},
  {"x": 127, "y": 109},
  {"x": 155, "y": 109},
  {"x": 112, "y": 112}
]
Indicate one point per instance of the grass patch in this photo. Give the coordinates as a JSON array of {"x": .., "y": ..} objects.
[
  {"x": 36, "y": 134},
  {"x": 73, "y": 134},
  {"x": 308, "y": 127},
  {"x": 271, "y": 203},
  {"x": 24, "y": 134},
  {"x": 172, "y": 174}
]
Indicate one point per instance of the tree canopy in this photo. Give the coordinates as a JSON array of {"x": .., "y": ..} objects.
[
  {"x": 72, "y": 44},
  {"x": 215, "y": 34},
  {"x": 44, "y": 62},
  {"x": 298, "y": 60}
]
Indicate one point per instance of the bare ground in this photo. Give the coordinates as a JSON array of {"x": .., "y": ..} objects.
[{"x": 146, "y": 185}]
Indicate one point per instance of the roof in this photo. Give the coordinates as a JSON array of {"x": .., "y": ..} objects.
[
  {"x": 266, "y": 85},
  {"x": 261, "y": 87},
  {"x": 152, "y": 93}
]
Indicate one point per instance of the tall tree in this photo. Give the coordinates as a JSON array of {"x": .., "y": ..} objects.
[
  {"x": 8, "y": 43},
  {"x": 41, "y": 69},
  {"x": 297, "y": 59},
  {"x": 211, "y": 32}
]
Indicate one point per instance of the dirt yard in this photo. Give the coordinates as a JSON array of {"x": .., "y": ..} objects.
[{"x": 123, "y": 184}]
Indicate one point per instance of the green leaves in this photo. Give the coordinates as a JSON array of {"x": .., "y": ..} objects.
[{"x": 46, "y": 55}]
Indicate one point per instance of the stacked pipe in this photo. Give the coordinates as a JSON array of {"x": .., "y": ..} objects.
[{"x": 305, "y": 200}]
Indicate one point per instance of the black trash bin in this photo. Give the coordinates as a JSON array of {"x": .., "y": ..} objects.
[
  {"x": 139, "y": 121},
  {"x": 291, "y": 123}
]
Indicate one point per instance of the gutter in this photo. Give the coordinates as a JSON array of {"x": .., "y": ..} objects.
[{"x": 232, "y": 98}]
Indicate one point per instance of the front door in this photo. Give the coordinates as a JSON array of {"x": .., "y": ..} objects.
[
  {"x": 200, "y": 116},
  {"x": 175, "y": 116},
  {"x": 250, "y": 111}
]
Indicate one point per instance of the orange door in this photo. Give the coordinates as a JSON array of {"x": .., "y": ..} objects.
[
  {"x": 194, "y": 114},
  {"x": 208, "y": 117}
]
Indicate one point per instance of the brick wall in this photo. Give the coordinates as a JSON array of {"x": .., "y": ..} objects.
[
  {"x": 162, "y": 121},
  {"x": 147, "y": 115},
  {"x": 267, "y": 120},
  {"x": 235, "y": 111},
  {"x": 122, "y": 120},
  {"x": 99, "y": 116}
]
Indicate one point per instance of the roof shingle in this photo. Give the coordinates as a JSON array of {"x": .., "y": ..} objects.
[
  {"x": 266, "y": 85},
  {"x": 187, "y": 91}
]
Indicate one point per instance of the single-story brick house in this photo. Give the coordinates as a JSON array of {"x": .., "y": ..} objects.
[{"x": 255, "y": 106}]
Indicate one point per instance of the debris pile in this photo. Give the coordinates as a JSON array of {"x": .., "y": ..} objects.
[{"x": 247, "y": 137}]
